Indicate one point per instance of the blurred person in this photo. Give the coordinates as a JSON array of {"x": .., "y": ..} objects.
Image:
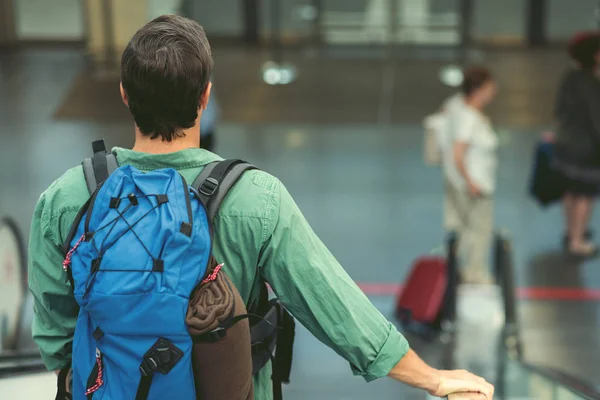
[
  {"x": 469, "y": 147},
  {"x": 260, "y": 234},
  {"x": 208, "y": 124},
  {"x": 577, "y": 142}
]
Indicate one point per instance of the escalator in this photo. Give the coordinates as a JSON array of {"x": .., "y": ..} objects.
[
  {"x": 23, "y": 375},
  {"x": 525, "y": 381},
  {"x": 518, "y": 379}
]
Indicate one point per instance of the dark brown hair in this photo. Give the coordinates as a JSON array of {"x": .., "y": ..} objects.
[
  {"x": 474, "y": 78},
  {"x": 165, "y": 69},
  {"x": 583, "y": 48}
]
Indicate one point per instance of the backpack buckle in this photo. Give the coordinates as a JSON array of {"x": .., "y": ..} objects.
[
  {"x": 98, "y": 146},
  {"x": 209, "y": 186},
  {"x": 149, "y": 365},
  {"x": 162, "y": 357},
  {"x": 216, "y": 334}
]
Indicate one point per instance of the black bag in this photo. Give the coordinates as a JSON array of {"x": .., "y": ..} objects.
[{"x": 546, "y": 182}]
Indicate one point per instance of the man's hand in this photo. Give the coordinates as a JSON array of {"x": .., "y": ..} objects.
[
  {"x": 467, "y": 396},
  {"x": 549, "y": 137},
  {"x": 416, "y": 373},
  {"x": 460, "y": 151},
  {"x": 463, "y": 385}
]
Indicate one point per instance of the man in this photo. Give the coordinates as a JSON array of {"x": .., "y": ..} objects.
[{"x": 259, "y": 229}]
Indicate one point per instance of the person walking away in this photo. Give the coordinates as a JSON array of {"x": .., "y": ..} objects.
[
  {"x": 469, "y": 147},
  {"x": 260, "y": 236},
  {"x": 577, "y": 147}
]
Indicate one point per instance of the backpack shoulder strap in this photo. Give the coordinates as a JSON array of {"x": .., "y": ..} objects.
[
  {"x": 99, "y": 167},
  {"x": 277, "y": 327},
  {"x": 215, "y": 181}
]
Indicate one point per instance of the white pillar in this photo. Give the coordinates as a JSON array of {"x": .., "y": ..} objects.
[
  {"x": 414, "y": 17},
  {"x": 110, "y": 26},
  {"x": 377, "y": 22}
]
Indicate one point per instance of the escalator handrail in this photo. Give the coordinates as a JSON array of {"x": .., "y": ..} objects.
[
  {"x": 19, "y": 367},
  {"x": 11, "y": 224},
  {"x": 14, "y": 363},
  {"x": 577, "y": 386},
  {"x": 505, "y": 274},
  {"x": 19, "y": 355}
]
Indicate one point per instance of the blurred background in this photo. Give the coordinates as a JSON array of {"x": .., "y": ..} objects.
[{"x": 329, "y": 96}]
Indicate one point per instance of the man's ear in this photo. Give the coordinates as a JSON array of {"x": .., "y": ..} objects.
[
  {"x": 205, "y": 96},
  {"x": 123, "y": 95}
]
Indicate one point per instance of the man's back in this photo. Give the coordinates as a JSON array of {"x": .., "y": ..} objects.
[{"x": 258, "y": 226}]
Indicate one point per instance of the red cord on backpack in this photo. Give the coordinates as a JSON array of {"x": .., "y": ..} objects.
[
  {"x": 99, "y": 380},
  {"x": 213, "y": 275},
  {"x": 67, "y": 261}
]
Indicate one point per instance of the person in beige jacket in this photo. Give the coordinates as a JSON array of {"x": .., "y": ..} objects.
[{"x": 469, "y": 159}]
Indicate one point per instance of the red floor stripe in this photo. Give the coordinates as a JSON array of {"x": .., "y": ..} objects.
[
  {"x": 556, "y": 293},
  {"x": 525, "y": 293},
  {"x": 380, "y": 289}
]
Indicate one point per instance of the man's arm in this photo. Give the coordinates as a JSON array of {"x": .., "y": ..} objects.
[
  {"x": 460, "y": 152},
  {"x": 55, "y": 308},
  {"x": 463, "y": 135},
  {"x": 415, "y": 372},
  {"x": 320, "y": 294},
  {"x": 591, "y": 94}
]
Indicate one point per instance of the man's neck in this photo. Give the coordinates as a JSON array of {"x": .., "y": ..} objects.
[{"x": 145, "y": 144}]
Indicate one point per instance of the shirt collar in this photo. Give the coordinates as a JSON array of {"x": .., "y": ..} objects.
[{"x": 188, "y": 158}]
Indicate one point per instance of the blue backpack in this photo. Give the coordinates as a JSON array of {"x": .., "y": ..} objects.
[{"x": 137, "y": 250}]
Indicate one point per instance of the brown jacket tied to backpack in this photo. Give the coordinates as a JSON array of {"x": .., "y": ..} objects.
[{"x": 221, "y": 357}]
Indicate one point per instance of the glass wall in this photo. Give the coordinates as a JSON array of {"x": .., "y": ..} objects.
[
  {"x": 419, "y": 21},
  {"x": 499, "y": 21},
  {"x": 370, "y": 21},
  {"x": 218, "y": 17},
  {"x": 49, "y": 19},
  {"x": 566, "y": 17}
]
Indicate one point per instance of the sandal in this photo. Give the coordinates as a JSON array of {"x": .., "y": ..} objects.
[
  {"x": 588, "y": 235},
  {"x": 584, "y": 250}
]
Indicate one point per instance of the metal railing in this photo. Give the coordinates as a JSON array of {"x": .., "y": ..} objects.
[{"x": 505, "y": 277}]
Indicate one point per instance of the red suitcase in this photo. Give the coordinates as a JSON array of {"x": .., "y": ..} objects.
[{"x": 422, "y": 295}]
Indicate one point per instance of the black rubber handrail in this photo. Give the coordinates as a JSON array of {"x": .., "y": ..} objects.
[
  {"x": 19, "y": 355},
  {"x": 14, "y": 228},
  {"x": 14, "y": 363},
  {"x": 14, "y": 368},
  {"x": 577, "y": 386},
  {"x": 505, "y": 276}
]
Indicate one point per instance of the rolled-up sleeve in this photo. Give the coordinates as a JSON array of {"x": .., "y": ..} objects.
[
  {"x": 55, "y": 308},
  {"x": 319, "y": 293}
]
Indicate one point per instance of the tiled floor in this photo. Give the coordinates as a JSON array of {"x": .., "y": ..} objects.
[{"x": 358, "y": 177}]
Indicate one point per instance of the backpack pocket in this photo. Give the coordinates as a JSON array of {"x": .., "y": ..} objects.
[{"x": 146, "y": 367}]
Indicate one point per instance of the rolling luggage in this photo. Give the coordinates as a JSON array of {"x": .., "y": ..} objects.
[
  {"x": 428, "y": 297},
  {"x": 423, "y": 294}
]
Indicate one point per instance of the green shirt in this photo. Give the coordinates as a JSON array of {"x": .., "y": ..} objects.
[{"x": 259, "y": 229}]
